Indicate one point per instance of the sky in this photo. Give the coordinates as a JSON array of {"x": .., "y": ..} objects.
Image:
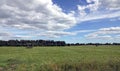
[{"x": 73, "y": 21}]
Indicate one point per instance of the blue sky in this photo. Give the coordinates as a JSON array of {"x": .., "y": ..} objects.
[{"x": 73, "y": 21}]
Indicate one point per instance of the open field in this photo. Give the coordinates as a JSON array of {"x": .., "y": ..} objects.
[{"x": 72, "y": 58}]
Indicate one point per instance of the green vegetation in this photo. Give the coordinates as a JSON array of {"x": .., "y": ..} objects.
[{"x": 72, "y": 58}]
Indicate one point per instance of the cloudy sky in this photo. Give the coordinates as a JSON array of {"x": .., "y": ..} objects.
[{"x": 80, "y": 21}]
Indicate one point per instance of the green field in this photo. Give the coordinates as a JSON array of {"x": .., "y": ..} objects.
[{"x": 69, "y": 58}]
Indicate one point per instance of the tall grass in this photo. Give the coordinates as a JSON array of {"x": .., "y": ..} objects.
[{"x": 74, "y": 58}]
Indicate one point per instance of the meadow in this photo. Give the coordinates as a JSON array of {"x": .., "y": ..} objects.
[{"x": 67, "y": 58}]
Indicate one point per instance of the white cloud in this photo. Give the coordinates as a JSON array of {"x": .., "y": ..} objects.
[
  {"x": 93, "y": 7},
  {"x": 57, "y": 34},
  {"x": 39, "y": 14},
  {"x": 48, "y": 19},
  {"x": 100, "y": 16},
  {"x": 99, "y": 9},
  {"x": 4, "y": 34},
  {"x": 111, "y": 4},
  {"x": 105, "y": 33},
  {"x": 111, "y": 29},
  {"x": 35, "y": 15}
]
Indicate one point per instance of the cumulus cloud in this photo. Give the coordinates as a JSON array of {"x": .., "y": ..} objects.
[
  {"x": 34, "y": 14},
  {"x": 40, "y": 15},
  {"x": 48, "y": 19}
]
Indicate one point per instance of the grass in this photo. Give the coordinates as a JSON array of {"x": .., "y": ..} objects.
[{"x": 73, "y": 58}]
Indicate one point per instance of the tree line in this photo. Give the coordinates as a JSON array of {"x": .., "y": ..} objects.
[
  {"x": 32, "y": 43},
  {"x": 96, "y": 44},
  {"x": 46, "y": 43}
]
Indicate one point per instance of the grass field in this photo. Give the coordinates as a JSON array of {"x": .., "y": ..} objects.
[{"x": 72, "y": 58}]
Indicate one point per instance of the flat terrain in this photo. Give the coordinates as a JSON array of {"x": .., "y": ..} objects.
[{"x": 68, "y": 58}]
